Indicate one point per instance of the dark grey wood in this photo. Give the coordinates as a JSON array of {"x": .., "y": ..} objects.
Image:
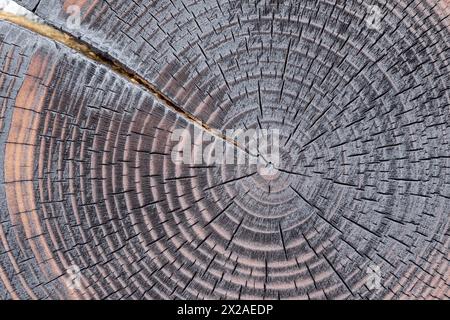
[{"x": 364, "y": 179}]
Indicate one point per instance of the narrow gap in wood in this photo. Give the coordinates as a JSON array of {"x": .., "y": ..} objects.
[{"x": 96, "y": 55}]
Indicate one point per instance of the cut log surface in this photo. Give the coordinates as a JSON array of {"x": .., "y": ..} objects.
[{"x": 363, "y": 185}]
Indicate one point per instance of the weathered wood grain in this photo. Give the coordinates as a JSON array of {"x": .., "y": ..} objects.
[{"x": 87, "y": 177}]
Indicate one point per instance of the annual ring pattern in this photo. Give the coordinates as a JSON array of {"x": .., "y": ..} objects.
[{"x": 94, "y": 207}]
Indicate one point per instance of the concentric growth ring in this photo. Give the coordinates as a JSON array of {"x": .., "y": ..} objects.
[{"x": 94, "y": 205}]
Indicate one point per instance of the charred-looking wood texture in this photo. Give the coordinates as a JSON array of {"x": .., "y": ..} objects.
[{"x": 362, "y": 188}]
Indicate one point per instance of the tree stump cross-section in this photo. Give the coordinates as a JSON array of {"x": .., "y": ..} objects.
[{"x": 94, "y": 207}]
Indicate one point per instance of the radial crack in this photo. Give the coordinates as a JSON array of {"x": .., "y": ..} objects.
[{"x": 103, "y": 58}]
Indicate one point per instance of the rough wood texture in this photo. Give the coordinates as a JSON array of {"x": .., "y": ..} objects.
[{"x": 87, "y": 177}]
